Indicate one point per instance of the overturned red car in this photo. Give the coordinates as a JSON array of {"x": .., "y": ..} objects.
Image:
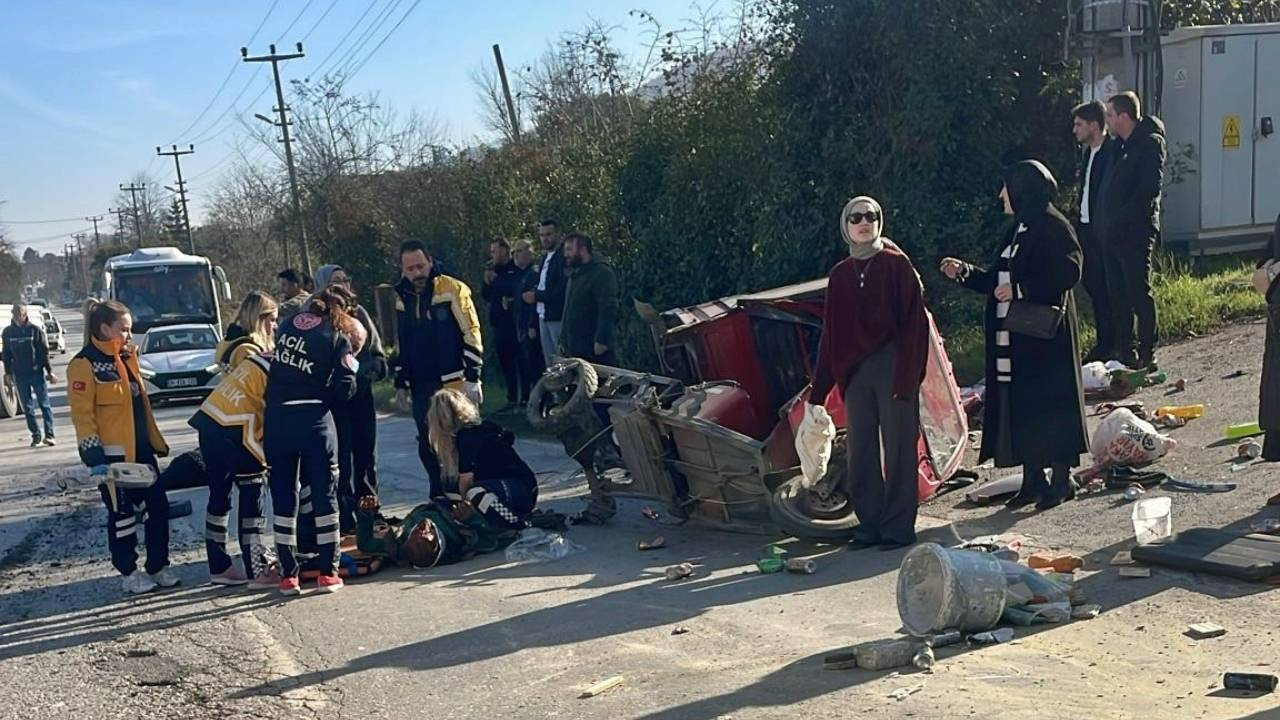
[{"x": 714, "y": 436}]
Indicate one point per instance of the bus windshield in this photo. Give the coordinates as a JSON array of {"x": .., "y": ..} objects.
[{"x": 166, "y": 294}]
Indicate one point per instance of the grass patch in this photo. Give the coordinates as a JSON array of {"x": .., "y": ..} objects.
[{"x": 1189, "y": 301}]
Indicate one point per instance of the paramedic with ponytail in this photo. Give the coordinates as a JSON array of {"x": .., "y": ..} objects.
[
  {"x": 114, "y": 424},
  {"x": 230, "y": 428},
  {"x": 314, "y": 368}
]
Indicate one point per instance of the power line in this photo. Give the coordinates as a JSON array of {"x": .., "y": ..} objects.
[
  {"x": 296, "y": 18},
  {"x": 367, "y": 35},
  {"x": 41, "y": 222},
  {"x": 227, "y": 79},
  {"x": 317, "y": 23},
  {"x": 206, "y": 135},
  {"x": 378, "y": 47},
  {"x": 48, "y": 238},
  {"x": 343, "y": 40}
]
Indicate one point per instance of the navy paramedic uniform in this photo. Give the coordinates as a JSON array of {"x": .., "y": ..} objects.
[
  {"x": 313, "y": 369},
  {"x": 230, "y": 428},
  {"x": 503, "y": 489}
]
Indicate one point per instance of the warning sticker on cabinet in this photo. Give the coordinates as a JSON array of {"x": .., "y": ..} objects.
[{"x": 1231, "y": 132}]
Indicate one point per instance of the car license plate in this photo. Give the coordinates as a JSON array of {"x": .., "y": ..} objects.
[{"x": 182, "y": 382}]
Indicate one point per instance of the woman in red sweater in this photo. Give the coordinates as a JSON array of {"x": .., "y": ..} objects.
[{"x": 874, "y": 348}]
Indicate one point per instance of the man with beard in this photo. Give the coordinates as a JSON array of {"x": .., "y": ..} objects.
[
  {"x": 590, "y": 304},
  {"x": 438, "y": 340}
]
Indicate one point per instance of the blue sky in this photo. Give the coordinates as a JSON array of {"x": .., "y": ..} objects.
[{"x": 88, "y": 88}]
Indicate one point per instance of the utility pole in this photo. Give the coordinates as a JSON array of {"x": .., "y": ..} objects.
[
  {"x": 84, "y": 271},
  {"x": 137, "y": 217},
  {"x": 182, "y": 189},
  {"x": 506, "y": 92},
  {"x": 97, "y": 240},
  {"x": 119, "y": 223},
  {"x": 283, "y": 124}
]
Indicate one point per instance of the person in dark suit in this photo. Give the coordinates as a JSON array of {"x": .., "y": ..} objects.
[
  {"x": 1098, "y": 154},
  {"x": 1132, "y": 206}
]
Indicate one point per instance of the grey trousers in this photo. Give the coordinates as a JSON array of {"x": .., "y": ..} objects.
[
  {"x": 884, "y": 491},
  {"x": 549, "y": 332}
]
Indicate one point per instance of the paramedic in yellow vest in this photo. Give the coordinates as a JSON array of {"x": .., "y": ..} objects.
[
  {"x": 114, "y": 423},
  {"x": 438, "y": 339},
  {"x": 229, "y": 424}
]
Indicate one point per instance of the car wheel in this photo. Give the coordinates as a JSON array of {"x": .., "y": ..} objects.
[
  {"x": 801, "y": 513},
  {"x": 9, "y": 405},
  {"x": 562, "y": 396}
]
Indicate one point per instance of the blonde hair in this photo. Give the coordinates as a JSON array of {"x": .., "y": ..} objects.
[
  {"x": 521, "y": 244},
  {"x": 450, "y": 412},
  {"x": 251, "y": 317}
]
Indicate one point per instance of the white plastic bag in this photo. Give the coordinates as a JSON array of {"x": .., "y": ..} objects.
[
  {"x": 813, "y": 443},
  {"x": 1095, "y": 376},
  {"x": 1122, "y": 438}
]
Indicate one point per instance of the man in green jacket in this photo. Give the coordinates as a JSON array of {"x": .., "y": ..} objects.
[{"x": 590, "y": 304}]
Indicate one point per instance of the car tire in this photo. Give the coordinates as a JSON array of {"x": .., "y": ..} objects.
[
  {"x": 9, "y": 405},
  {"x": 789, "y": 507},
  {"x": 549, "y": 410}
]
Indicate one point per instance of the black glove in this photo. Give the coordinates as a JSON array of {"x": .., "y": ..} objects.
[{"x": 378, "y": 369}]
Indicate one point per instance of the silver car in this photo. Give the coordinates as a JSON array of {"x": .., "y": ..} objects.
[{"x": 178, "y": 361}]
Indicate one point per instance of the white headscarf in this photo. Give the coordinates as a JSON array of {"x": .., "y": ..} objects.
[{"x": 857, "y": 250}]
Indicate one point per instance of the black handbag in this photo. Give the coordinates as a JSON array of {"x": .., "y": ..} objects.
[{"x": 1033, "y": 320}]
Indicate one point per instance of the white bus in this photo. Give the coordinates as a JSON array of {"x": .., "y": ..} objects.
[{"x": 165, "y": 286}]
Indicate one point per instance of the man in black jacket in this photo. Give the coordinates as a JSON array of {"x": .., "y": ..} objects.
[
  {"x": 501, "y": 285},
  {"x": 590, "y": 304},
  {"x": 1132, "y": 208},
  {"x": 549, "y": 295},
  {"x": 532, "y": 364},
  {"x": 1099, "y": 151},
  {"x": 26, "y": 365}
]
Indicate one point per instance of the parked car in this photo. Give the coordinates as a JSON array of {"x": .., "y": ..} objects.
[
  {"x": 714, "y": 437},
  {"x": 177, "y": 361},
  {"x": 54, "y": 333},
  {"x": 39, "y": 302}
]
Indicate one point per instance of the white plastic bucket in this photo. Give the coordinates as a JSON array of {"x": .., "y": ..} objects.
[
  {"x": 941, "y": 589},
  {"x": 1152, "y": 519}
]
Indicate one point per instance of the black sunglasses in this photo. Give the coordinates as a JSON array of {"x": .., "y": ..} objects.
[{"x": 870, "y": 216}]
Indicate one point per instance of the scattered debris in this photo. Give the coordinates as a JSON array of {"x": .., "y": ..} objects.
[
  {"x": 1180, "y": 385},
  {"x": 1198, "y": 487},
  {"x": 1252, "y": 682},
  {"x": 679, "y": 630},
  {"x": 1134, "y": 571},
  {"x": 1204, "y": 631},
  {"x": 650, "y": 513},
  {"x": 1240, "y": 431},
  {"x": 903, "y": 693},
  {"x": 774, "y": 551},
  {"x": 770, "y": 565},
  {"x": 1133, "y": 492},
  {"x": 943, "y": 639},
  {"x": 802, "y": 566},
  {"x": 1059, "y": 563},
  {"x": 1265, "y": 526},
  {"x": 653, "y": 544},
  {"x": 992, "y": 637},
  {"x": 1235, "y": 374},
  {"x": 1123, "y": 557},
  {"x": 140, "y": 653},
  {"x": 679, "y": 572},
  {"x": 1085, "y": 612},
  {"x": 601, "y": 687},
  {"x": 840, "y": 661},
  {"x": 924, "y": 659},
  {"x": 1251, "y": 449},
  {"x": 885, "y": 654}
]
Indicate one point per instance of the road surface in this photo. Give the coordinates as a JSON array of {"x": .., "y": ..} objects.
[{"x": 487, "y": 638}]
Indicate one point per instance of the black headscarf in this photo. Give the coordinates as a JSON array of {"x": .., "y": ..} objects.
[{"x": 1031, "y": 188}]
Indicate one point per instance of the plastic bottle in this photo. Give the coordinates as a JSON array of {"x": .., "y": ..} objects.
[
  {"x": 1184, "y": 412},
  {"x": 1243, "y": 430},
  {"x": 536, "y": 545}
]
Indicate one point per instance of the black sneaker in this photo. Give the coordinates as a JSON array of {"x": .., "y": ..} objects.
[{"x": 36, "y": 442}]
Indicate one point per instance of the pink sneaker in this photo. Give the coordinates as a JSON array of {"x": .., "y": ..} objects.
[
  {"x": 231, "y": 577},
  {"x": 290, "y": 586},
  {"x": 329, "y": 583}
]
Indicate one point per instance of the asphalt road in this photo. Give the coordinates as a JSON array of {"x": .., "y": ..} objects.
[{"x": 488, "y": 638}]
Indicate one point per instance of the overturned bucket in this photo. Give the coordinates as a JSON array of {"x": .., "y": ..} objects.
[{"x": 941, "y": 589}]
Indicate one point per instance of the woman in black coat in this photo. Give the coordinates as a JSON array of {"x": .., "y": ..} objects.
[{"x": 1034, "y": 413}]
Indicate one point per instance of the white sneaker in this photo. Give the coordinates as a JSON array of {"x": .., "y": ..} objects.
[
  {"x": 165, "y": 579},
  {"x": 138, "y": 583}
]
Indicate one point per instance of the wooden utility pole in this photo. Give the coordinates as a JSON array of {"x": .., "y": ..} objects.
[
  {"x": 283, "y": 124},
  {"x": 97, "y": 240},
  {"x": 182, "y": 189},
  {"x": 137, "y": 217},
  {"x": 506, "y": 92}
]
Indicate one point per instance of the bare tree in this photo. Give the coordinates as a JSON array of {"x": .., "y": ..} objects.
[{"x": 493, "y": 102}]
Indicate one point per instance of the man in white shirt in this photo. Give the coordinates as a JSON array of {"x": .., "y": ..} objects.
[
  {"x": 1098, "y": 155},
  {"x": 549, "y": 295}
]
